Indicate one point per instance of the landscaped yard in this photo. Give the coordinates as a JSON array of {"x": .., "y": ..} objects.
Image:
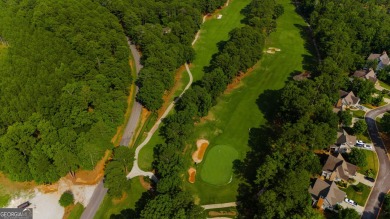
[
  {"x": 109, "y": 206},
  {"x": 358, "y": 114},
  {"x": 76, "y": 211},
  {"x": 384, "y": 85},
  {"x": 372, "y": 161},
  {"x": 229, "y": 122},
  {"x": 359, "y": 197}
]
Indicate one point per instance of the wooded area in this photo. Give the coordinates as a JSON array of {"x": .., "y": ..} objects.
[
  {"x": 346, "y": 32},
  {"x": 63, "y": 87}
]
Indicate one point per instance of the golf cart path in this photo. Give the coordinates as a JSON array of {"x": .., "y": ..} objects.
[
  {"x": 382, "y": 185},
  {"x": 221, "y": 205},
  {"x": 136, "y": 171}
]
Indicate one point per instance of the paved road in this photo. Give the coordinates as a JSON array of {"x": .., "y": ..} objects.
[
  {"x": 100, "y": 191},
  {"x": 136, "y": 171},
  {"x": 137, "y": 107},
  {"x": 95, "y": 202},
  {"x": 382, "y": 184}
]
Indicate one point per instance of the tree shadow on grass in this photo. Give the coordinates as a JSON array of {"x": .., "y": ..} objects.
[
  {"x": 309, "y": 62},
  {"x": 139, "y": 205}
]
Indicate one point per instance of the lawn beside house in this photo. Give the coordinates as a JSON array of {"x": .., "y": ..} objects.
[
  {"x": 358, "y": 114},
  {"x": 384, "y": 85},
  {"x": 359, "y": 197},
  {"x": 237, "y": 111},
  {"x": 372, "y": 162}
]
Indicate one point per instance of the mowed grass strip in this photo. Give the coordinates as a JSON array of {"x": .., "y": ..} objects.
[
  {"x": 230, "y": 121},
  {"x": 218, "y": 166},
  {"x": 212, "y": 32}
]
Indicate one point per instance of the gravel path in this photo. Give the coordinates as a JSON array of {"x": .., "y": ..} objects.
[{"x": 382, "y": 185}]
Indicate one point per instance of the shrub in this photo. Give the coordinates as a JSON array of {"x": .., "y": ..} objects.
[
  {"x": 357, "y": 157},
  {"x": 358, "y": 187},
  {"x": 66, "y": 199},
  {"x": 359, "y": 127}
]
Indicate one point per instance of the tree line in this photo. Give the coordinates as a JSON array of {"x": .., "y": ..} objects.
[
  {"x": 302, "y": 119},
  {"x": 64, "y": 82}
]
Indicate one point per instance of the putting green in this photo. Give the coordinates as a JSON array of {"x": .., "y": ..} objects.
[{"x": 218, "y": 166}]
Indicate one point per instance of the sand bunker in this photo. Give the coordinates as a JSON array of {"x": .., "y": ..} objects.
[
  {"x": 202, "y": 145},
  {"x": 272, "y": 50},
  {"x": 222, "y": 213},
  {"x": 219, "y": 16},
  {"x": 191, "y": 173}
]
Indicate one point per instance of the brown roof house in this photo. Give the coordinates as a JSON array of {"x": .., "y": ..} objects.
[
  {"x": 326, "y": 195},
  {"x": 383, "y": 59},
  {"x": 337, "y": 169},
  {"x": 366, "y": 74},
  {"x": 347, "y": 99}
]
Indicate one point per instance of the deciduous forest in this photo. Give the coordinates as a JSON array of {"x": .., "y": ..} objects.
[{"x": 63, "y": 87}]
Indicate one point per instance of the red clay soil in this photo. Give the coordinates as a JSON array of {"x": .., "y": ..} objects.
[
  {"x": 191, "y": 173},
  {"x": 202, "y": 150},
  {"x": 144, "y": 184},
  {"x": 236, "y": 81},
  {"x": 119, "y": 200}
]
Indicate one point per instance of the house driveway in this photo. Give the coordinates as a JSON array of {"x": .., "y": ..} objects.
[
  {"x": 360, "y": 179},
  {"x": 358, "y": 208}
]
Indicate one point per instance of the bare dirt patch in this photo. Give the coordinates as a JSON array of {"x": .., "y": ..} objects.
[
  {"x": 191, "y": 173},
  {"x": 67, "y": 211},
  {"x": 119, "y": 200},
  {"x": 202, "y": 145},
  {"x": 144, "y": 184},
  {"x": 90, "y": 177},
  {"x": 236, "y": 83},
  {"x": 222, "y": 213}
]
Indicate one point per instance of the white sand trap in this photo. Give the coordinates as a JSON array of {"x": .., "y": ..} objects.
[
  {"x": 219, "y": 16},
  {"x": 270, "y": 51},
  {"x": 275, "y": 49}
]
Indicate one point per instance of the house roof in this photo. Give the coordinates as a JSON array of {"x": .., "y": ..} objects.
[
  {"x": 373, "y": 56},
  {"x": 302, "y": 76},
  {"x": 348, "y": 97},
  {"x": 384, "y": 58},
  {"x": 344, "y": 138},
  {"x": 366, "y": 74},
  {"x": 340, "y": 167},
  {"x": 329, "y": 192}
]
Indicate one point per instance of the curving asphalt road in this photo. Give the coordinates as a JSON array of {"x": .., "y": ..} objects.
[
  {"x": 137, "y": 107},
  {"x": 382, "y": 184}
]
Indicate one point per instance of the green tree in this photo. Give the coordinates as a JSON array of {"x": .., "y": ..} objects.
[
  {"x": 124, "y": 156},
  {"x": 115, "y": 179},
  {"x": 385, "y": 122},
  {"x": 386, "y": 205},
  {"x": 66, "y": 199},
  {"x": 345, "y": 117},
  {"x": 363, "y": 89},
  {"x": 357, "y": 157},
  {"x": 360, "y": 127},
  {"x": 348, "y": 213}
]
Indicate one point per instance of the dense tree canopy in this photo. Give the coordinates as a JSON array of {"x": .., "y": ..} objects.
[{"x": 63, "y": 85}]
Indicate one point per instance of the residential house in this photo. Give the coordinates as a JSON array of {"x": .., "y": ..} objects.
[
  {"x": 326, "y": 195},
  {"x": 344, "y": 142},
  {"x": 366, "y": 74},
  {"x": 347, "y": 99},
  {"x": 337, "y": 169},
  {"x": 383, "y": 59}
]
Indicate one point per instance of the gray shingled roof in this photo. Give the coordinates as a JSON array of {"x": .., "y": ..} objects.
[{"x": 329, "y": 191}]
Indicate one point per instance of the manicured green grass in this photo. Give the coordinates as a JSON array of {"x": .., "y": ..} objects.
[
  {"x": 218, "y": 165},
  {"x": 212, "y": 32},
  {"x": 236, "y": 113},
  {"x": 3, "y": 50},
  {"x": 76, "y": 211},
  {"x": 372, "y": 162},
  {"x": 359, "y": 197},
  {"x": 108, "y": 207},
  {"x": 384, "y": 85},
  {"x": 358, "y": 114}
]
